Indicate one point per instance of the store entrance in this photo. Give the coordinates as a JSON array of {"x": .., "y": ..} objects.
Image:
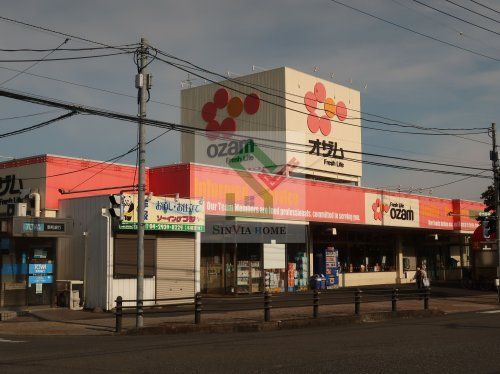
[
  {"x": 211, "y": 268},
  {"x": 40, "y": 279},
  {"x": 28, "y": 268},
  {"x": 434, "y": 258}
]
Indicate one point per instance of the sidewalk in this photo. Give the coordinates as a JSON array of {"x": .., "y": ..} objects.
[{"x": 61, "y": 321}]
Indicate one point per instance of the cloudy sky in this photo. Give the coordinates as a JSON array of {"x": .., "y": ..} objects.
[{"x": 401, "y": 75}]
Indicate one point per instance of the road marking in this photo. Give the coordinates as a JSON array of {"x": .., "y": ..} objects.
[{"x": 491, "y": 311}]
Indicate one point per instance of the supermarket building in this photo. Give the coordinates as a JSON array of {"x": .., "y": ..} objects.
[{"x": 262, "y": 215}]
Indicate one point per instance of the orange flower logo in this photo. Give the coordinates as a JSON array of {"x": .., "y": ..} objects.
[
  {"x": 379, "y": 209},
  {"x": 234, "y": 107},
  {"x": 316, "y": 121}
]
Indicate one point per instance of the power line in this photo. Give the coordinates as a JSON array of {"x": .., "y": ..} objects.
[
  {"x": 68, "y": 58},
  {"x": 433, "y": 18},
  {"x": 472, "y": 11},
  {"x": 200, "y": 132},
  {"x": 52, "y": 31},
  {"x": 156, "y": 102},
  {"x": 417, "y": 32},
  {"x": 485, "y": 6},
  {"x": 449, "y": 183},
  {"x": 116, "y": 159},
  {"x": 29, "y": 115},
  {"x": 34, "y": 64},
  {"x": 69, "y": 49},
  {"x": 255, "y": 85},
  {"x": 455, "y": 17},
  {"x": 169, "y": 125},
  {"x": 37, "y": 126},
  {"x": 306, "y": 113}
]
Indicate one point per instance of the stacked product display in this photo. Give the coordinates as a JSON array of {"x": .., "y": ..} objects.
[
  {"x": 292, "y": 274},
  {"x": 302, "y": 272},
  {"x": 248, "y": 276},
  {"x": 255, "y": 276},
  {"x": 243, "y": 277},
  {"x": 275, "y": 280}
]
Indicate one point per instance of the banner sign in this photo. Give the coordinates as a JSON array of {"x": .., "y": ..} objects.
[
  {"x": 165, "y": 214},
  {"x": 389, "y": 210},
  {"x": 43, "y": 226},
  {"x": 34, "y": 279},
  {"x": 40, "y": 268}
]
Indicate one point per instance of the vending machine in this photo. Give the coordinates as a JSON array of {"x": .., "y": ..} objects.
[{"x": 326, "y": 262}]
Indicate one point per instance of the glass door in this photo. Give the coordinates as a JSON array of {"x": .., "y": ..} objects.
[{"x": 40, "y": 285}]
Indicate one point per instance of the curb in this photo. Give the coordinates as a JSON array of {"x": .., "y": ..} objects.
[{"x": 165, "y": 329}]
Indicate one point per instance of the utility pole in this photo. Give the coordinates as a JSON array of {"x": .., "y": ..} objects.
[
  {"x": 494, "y": 159},
  {"x": 142, "y": 83}
]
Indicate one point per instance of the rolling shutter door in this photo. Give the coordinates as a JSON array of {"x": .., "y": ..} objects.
[
  {"x": 175, "y": 266},
  {"x": 125, "y": 257}
]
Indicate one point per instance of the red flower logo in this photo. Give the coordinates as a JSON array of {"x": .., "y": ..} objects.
[
  {"x": 234, "y": 107},
  {"x": 316, "y": 122},
  {"x": 379, "y": 209}
]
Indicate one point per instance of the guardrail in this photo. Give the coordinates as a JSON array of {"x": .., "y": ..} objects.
[{"x": 269, "y": 301}]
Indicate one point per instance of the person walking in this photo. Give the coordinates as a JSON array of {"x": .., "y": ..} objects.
[
  {"x": 425, "y": 278},
  {"x": 418, "y": 278}
]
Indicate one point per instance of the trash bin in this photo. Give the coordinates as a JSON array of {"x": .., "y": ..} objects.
[
  {"x": 323, "y": 282},
  {"x": 316, "y": 282}
]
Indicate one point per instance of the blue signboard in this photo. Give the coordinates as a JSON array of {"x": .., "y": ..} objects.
[
  {"x": 40, "y": 268},
  {"x": 33, "y": 279},
  {"x": 30, "y": 226}
]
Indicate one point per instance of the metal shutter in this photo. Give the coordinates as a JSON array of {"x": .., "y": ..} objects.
[
  {"x": 125, "y": 257},
  {"x": 175, "y": 266}
]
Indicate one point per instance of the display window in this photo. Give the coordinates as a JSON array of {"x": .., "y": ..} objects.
[
  {"x": 249, "y": 268},
  {"x": 297, "y": 267}
]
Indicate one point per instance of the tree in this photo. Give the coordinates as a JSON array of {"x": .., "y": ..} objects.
[{"x": 488, "y": 197}]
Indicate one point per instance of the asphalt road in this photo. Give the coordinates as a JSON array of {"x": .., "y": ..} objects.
[{"x": 460, "y": 343}]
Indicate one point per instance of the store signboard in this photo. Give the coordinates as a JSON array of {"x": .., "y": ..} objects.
[
  {"x": 42, "y": 227},
  {"x": 18, "y": 178},
  {"x": 327, "y": 114},
  {"x": 236, "y": 231},
  {"x": 465, "y": 214},
  {"x": 320, "y": 117},
  {"x": 34, "y": 279},
  {"x": 165, "y": 214},
  {"x": 391, "y": 210},
  {"x": 435, "y": 213},
  {"x": 230, "y": 193},
  {"x": 40, "y": 269}
]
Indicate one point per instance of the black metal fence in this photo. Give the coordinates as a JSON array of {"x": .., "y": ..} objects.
[{"x": 269, "y": 301}]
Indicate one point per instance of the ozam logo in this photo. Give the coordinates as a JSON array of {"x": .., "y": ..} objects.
[
  {"x": 379, "y": 209},
  {"x": 234, "y": 108},
  {"x": 396, "y": 211},
  {"x": 318, "y": 121}
]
